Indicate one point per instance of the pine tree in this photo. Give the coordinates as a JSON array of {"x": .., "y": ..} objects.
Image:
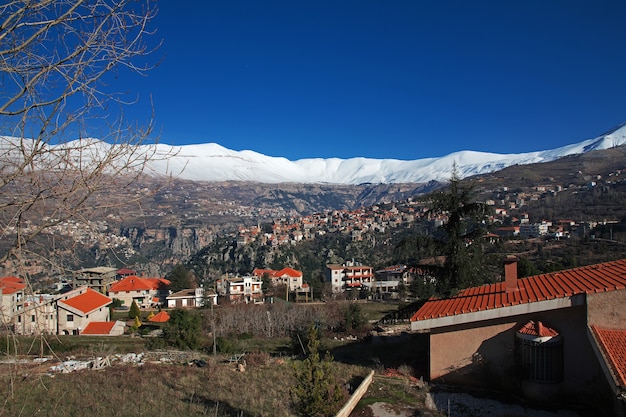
[
  {"x": 180, "y": 278},
  {"x": 316, "y": 394},
  {"x": 460, "y": 236},
  {"x": 184, "y": 329},
  {"x": 134, "y": 311}
]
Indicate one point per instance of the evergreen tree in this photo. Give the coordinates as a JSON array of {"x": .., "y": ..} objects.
[
  {"x": 134, "y": 311},
  {"x": 526, "y": 268},
  {"x": 460, "y": 236},
  {"x": 183, "y": 329},
  {"x": 180, "y": 278},
  {"x": 316, "y": 394},
  {"x": 353, "y": 317}
]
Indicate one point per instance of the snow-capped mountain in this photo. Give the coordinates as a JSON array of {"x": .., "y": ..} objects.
[{"x": 212, "y": 162}]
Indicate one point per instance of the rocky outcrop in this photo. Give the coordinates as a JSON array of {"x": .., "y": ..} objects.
[{"x": 169, "y": 241}]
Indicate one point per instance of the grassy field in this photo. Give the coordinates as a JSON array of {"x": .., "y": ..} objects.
[
  {"x": 178, "y": 387},
  {"x": 156, "y": 389},
  {"x": 374, "y": 311}
]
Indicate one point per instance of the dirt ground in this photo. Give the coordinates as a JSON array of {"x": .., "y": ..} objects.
[{"x": 403, "y": 397}]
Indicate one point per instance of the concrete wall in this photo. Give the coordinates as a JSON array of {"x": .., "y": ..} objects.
[
  {"x": 483, "y": 353},
  {"x": 606, "y": 309},
  {"x": 462, "y": 354}
]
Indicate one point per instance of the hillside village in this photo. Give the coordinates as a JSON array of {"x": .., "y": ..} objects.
[
  {"x": 509, "y": 218},
  {"x": 98, "y": 300}
]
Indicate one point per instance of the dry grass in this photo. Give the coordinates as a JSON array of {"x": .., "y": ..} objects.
[{"x": 159, "y": 390}]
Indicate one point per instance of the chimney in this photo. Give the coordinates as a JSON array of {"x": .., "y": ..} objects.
[{"x": 510, "y": 273}]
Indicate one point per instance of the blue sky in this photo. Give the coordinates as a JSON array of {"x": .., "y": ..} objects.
[{"x": 386, "y": 79}]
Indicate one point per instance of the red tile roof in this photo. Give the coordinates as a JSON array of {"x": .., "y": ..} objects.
[
  {"x": 134, "y": 283},
  {"x": 160, "y": 317},
  {"x": 98, "y": 327},
  {"x": 258, "y": 272},
  {"x": 537, "y": 328},
  {"x": 289, "y": 272},
  {"x": 88, "y": 301},
  {"x": 608, "y": 276},
  {"x": 9, "y": 285},
  {"x": 613, "y": 345}
]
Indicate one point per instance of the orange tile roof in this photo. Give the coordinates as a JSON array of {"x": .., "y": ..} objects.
[
  {"x": 613, "y": 345},
  {"x": 258, "y": 272},
  {"x": 537, "y": 328},
  {"x": 98, "y": 327},
  {"x": 608, "y": 276},
  {"x": 289, "y": 272},
  {"x": 134, "y": 283},
  {"x": 160, "y": 317},
  {"x": 9, "y": 285},
  {"x": 88, "y": 301}
]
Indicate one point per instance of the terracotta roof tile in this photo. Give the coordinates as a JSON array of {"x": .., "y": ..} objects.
[
  {"x": 98, "y": 327},
  {"x": 160, "y": 317},
  {"x": 613, "y": 345},
  {"x": 608, "y": 276},
  {"x": 135, "y": 283},
  {"x": 88, "y": 301},
  {"x": 537, "y": 328},
  {"x": 9, "y": 285},
  {"x": 277, "y": 273}
]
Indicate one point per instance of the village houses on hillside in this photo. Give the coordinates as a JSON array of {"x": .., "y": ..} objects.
[{"x": 67, "y": 313}]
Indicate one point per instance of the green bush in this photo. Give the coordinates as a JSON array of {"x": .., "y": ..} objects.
[
  {"x": 316, "y": 393},
  {"x": 184, "y": 330}
]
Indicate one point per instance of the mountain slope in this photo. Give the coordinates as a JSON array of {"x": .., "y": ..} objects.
[{"x": 212, "y": 162}]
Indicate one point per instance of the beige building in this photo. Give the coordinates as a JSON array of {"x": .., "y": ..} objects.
[
  {"x": 350, "y": 275},
  {"x": 243, "y": 290},
  {"x": 99, "y": 278},
  {"x": 146, "y": 292},
  {"x": 77, "y": 308},
  {"x": 287, "y": 276},
  {"x": 191, "y": 298},
  {"x": 11, "y": 298}
]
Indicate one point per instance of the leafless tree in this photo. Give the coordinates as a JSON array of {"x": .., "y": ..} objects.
[{"x": 58, "y": 63}]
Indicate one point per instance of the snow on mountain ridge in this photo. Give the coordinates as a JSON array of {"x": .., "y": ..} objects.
[{"x": 212, "y": 162}]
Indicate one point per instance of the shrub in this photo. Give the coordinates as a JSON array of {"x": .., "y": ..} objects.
[
  {"x": 316, "y": 392},
  {"x": 134, "y": 311},
  {"x": 183, "y": 330}
]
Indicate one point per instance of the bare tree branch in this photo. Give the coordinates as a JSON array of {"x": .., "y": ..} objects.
[{"x": 57, "y": 62}]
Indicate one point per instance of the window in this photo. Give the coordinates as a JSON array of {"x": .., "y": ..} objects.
[
  {"x": 32, "y": 318},
  {"x": 70, "y": 317}
]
